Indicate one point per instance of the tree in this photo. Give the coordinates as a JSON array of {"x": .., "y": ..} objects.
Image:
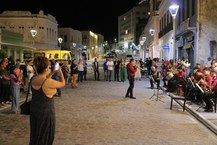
[
  {"x": 3, "y": 54},
  {"x": 107, "y": 48}
]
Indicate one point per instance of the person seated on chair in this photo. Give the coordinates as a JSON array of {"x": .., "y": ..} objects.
[
  {"x": 154, "y": 77},
  {"x": 180, "y": 75},
  {"x": 210, "y": 93},
  {"x": 165, "y": 71}
]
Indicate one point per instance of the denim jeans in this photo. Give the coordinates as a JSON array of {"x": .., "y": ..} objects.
[{"x": 15, "y": 97}]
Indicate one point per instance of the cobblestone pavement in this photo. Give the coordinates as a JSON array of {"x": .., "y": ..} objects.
[{"x": 96, "y": 113}]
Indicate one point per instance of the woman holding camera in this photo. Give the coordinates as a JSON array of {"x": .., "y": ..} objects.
[{"x": 42, "y": 113}]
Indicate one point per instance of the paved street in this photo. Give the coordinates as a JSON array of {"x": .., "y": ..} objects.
[{"x": 98, "y": 114}]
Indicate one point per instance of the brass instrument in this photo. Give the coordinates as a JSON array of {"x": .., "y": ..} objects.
[
  {"x": 204, "y": 87},
  {"x": 191, "y": 82}
]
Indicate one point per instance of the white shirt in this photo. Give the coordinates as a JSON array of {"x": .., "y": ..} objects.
[
  {"x": 29, "y": 71},
  {"x": 110, "y": 65},
  {"x": 80, "y": 67}
]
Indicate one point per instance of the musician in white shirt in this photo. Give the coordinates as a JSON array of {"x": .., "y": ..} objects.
[
  {"x": 110, "y": 65},
  {"x": 154, "y": 77}
]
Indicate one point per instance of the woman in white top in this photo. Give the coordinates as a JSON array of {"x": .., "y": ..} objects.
[
  {"x": 138, "y": 71},
  {"x": 110, "y": 65},
  {"x": 80, "y": 70},
  {"x": 30, "y": 72}
]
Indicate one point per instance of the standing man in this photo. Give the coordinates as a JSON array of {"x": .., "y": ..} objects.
[
  {"x": 105, "y": 68},
  {"x": 116, "y": 70},
  {"x": 131, "y": 70},
  {"x": 154, "y": 77},
  {"x": 96, "y": 69},
  {"x": 110, "y": 65}
]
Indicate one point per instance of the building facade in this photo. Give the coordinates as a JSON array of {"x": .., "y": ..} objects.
[
  {"x": 24, "y": 21},
  {"x": 129, "y": 25},
  {"x": 71, "y": 40},
  {"x": 12, "y": 44},
  {"x": 93, "y": 43},
  {"x": 195, "y": 37},
  {"x": 150, "y": 47}
]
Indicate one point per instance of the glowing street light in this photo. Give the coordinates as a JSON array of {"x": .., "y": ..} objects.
[
  {"x": 173, "y": 11},
  {"x": 33, "y": 33},
  {"x": 60, "y": 40},
  {"x": 151, "y": 31}
]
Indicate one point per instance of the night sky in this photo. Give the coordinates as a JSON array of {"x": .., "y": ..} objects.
[{"x": 99, "y": 16}]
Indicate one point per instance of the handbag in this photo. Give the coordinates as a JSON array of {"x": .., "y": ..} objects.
[{"x": 25, "y": 107}]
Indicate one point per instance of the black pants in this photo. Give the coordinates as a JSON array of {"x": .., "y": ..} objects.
[
  {"x": 96, "y": 74},
  {"x": 164, "y": 81},
  {"x": 5, "y": 90},
  {"x": 116, "y": 74},
  {"x": 109, "y": 74},
  {"x": 207, "y": 99},
  {"x": 152, "y": 83},
  {"x": 172, "y": 84},
  {"x": 131, "y": 86},
  {"x": 106, "y": 75},
  {"x": 80, "y": 76},
  {"x": 85, "y": 74}
]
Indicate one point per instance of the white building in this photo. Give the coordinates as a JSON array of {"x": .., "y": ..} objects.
[
  {"x": 127, "y": 25},
  {"x": 72, "y": 40},
  {"x": 23, "y": 21}
]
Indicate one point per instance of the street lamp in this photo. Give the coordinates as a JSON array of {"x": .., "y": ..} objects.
[
  {"x": 33, "y": 33},
  {"x": 142, "y": 42},
  {"x": 60, "y": 40},
  {"x": 173, "y": 11},
  {"x": 151, "y": 31}
]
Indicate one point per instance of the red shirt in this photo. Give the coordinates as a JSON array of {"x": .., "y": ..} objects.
[{"x": 131, "y": 70}]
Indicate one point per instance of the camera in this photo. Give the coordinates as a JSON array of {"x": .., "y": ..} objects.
[{"x": 56, "y": 66}]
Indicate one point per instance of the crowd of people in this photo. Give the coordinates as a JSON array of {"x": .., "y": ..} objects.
[{"x": 197, "y": 83}]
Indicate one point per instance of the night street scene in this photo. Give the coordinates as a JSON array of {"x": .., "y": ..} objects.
[{"x": 136, "y": 72}]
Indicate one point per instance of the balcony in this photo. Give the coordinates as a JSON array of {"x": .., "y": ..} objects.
[{"x": 166, "y": 29}]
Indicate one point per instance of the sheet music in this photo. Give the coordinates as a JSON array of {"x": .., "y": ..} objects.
[{"x": 200, "y": 88}]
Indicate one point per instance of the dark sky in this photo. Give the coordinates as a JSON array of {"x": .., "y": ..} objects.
[{"x": 99, "y": 16}]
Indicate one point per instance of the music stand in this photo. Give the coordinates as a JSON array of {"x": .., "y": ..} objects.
[{"x": 156, "y": 93}]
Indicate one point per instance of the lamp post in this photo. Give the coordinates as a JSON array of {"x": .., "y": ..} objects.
[
  {"x": 173, "y": 11},
  {"x": 60, "y": 40},
  {"x": 151, "y": 31},
  {"x": 33, "y": 33},
  {"x": 142, "y": 42}
]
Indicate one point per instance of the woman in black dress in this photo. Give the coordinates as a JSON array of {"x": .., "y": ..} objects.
[{"x": 42, "y": 113}]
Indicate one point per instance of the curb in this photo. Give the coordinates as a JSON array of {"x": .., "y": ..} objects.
[{"x": 199, "y": 117}]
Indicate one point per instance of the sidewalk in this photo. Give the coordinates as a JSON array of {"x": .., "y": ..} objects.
[{"x": 209, "y": 119}]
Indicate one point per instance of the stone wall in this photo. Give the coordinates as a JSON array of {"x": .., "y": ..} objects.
[{"x": 207, "y": 28}]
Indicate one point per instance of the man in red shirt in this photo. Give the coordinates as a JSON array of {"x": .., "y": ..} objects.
[{"x": 131, "y": 70}]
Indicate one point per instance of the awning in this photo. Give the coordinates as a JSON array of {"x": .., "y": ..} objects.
[
  {"x": 19, "y": 46},
  {"x": 188, "y": 45}
]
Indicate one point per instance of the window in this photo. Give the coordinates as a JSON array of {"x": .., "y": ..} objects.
[
  {"x": 193, "y": 5},
  {"x": 188, "y": 9},
  {"x": 213, "y": 48},
  {"x": 65, "y": 38}
]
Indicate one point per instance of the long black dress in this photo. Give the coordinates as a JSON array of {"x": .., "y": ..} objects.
[{"x": 42, "y": 118}]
